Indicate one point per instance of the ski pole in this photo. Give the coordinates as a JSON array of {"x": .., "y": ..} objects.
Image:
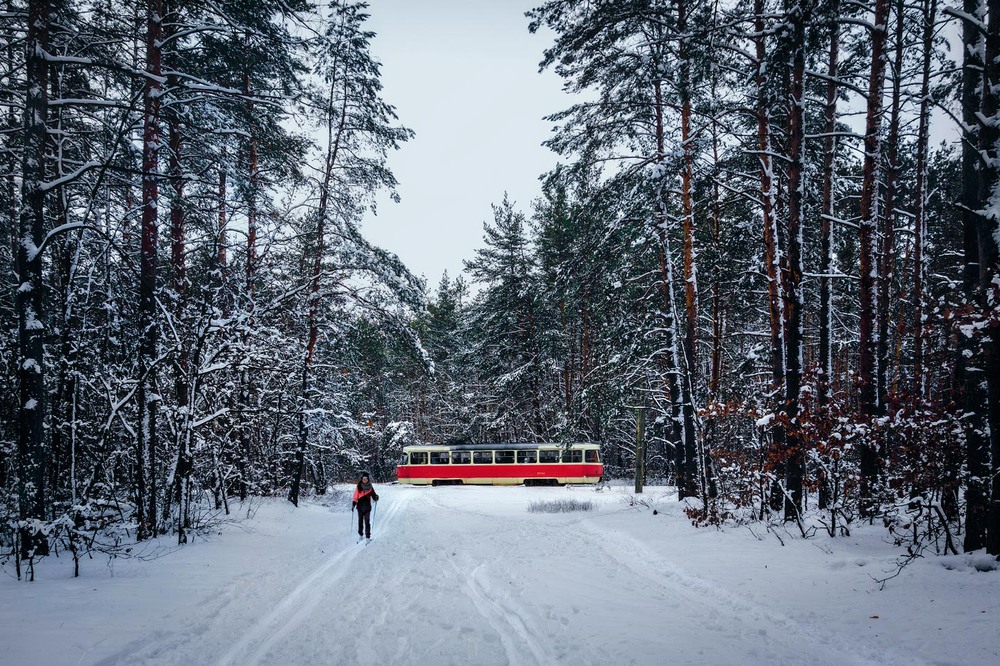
[
  {"x": 352, "y": 517},
  {"x": 374, "y": 507}
]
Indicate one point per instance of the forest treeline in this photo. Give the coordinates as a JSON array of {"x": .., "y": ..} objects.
[
  {"x": 772, "y": 231},
  {"x": 182, "y": 187}
]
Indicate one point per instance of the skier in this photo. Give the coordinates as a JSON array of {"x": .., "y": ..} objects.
[{"x": 364, "y": 495}]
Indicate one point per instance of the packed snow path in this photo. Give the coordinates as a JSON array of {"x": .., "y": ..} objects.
[{"x": 464, "y": 575}]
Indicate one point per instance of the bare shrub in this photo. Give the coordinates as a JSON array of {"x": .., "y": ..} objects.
[{"x": 560, "y": 506}]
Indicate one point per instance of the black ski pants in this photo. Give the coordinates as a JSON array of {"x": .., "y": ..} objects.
[{"x": 364, "y": 521}]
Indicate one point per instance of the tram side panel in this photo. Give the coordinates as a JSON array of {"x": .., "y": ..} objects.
[{"x": 501, "y": 474}]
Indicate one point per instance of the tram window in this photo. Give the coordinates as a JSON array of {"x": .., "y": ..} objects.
[
  {"x": 527, "y": 456},
  {"x": 461, "y": 457},
  {"x": 439, "y": 457},
  {"x": 572, "y": 456},
  {"x": 418, "y": 458},
  {"x": 548, "y": 456},
  {"x": 504, "y": 457},
  {"x": 591, "y": 456},
  {"x": 482, "y": 457},
  {"x": 404, "y": 459}
]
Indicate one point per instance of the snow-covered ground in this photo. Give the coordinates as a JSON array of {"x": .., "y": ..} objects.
[{"x": 465, "y": 575}]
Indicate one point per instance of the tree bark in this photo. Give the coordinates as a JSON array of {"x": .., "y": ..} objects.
[
  {"x": 148, "y": 324},
  {"x": 335, "y": 130},
  {"x": 795, "y": 463},
  {"x": 682, "y": 416},
  {"x": 695, "y": 480},
  {"x": 825, "y": 374},
  {"x": 989, "y": 265},
  {"x": 32, "y": 456},
  {"x": 772, "y": 247},
  {"x": 920, "y": 197},
  {"x": 888, "y": 236},
  {"x": 867, "y": 380},
  {"x": 969, "y": 372},
  {"x": 178, "y": 274}
]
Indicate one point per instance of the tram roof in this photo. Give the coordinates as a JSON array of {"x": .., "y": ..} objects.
[{"x": 500, "y": 446}]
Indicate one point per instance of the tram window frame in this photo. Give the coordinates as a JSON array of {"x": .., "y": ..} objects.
[
  {"x": 482, "y": 457},
  {"x": 461, "y": 457},
  {"x": 440, "y": 458},
  {"x": 572, "y": 456},
  {"x": 592, "y": 456},
  {"x": 418, "y": 457},
  {"x": 527, "y": 457},
  {"x": 548, "y": 457},
  {"x": 503, "y": 457}
]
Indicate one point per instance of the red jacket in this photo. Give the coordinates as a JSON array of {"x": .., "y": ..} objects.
[{"x": 363, "y": 498}]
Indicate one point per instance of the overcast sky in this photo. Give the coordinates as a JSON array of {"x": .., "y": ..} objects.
[{"x": 463, "y": 74}]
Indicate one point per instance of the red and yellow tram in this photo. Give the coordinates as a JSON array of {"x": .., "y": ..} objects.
[{"x": 501, "y": 464}]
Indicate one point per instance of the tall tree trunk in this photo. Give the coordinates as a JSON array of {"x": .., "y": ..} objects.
[
  {"x": 772, "y": 247},
  {"x": 254, "y": 181},
  {"x": 251, "y": 267},
  {"x": 335, "y": 130},
  {"x": 672, "y": 358},
  {"x": 148, "y": 326},
  {"x": 867, "y": 370},
  {"x": 888, "y": 236},
  {"x": 970, "y": 375},
  {"x": 824, "y": 376},
  {"x": 178, "y": 272},
  {"x": 795, "y": 465},
  {"x": 31, "y": 450},
  {"x": 696, "y": 481},
  {"x": 920, "y": 198},
  {"x": 58, "y": 456},
  {"x": 988, "y": 227}
]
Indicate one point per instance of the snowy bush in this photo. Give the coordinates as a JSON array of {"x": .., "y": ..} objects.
[{"x": 560, "y": 506}]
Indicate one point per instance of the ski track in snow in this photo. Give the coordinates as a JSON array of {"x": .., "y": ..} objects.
[
  {"x": 254, "y": 644},
  {"x": 460, "y": 576},
  {"x": 298, "y": 604},
  {"x": 509, "y": 618},
  {"x": 653, "y": 568}
]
